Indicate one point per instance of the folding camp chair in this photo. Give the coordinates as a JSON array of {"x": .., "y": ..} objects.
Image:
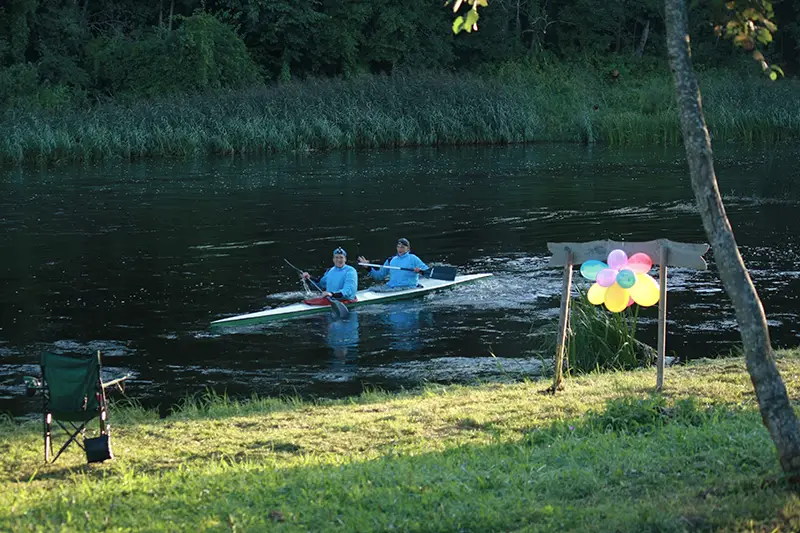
[{"x": 74, "y": 394}]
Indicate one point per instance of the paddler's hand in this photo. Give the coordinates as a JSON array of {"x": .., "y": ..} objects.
[
  {"x": 362, "y": 259},
  {"x": 326, "y": 294},
  {"x": 306, "y": 275},
  {"x": 417, "y": 270}
]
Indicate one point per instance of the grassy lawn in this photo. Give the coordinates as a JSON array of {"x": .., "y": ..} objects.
[{"x": 604, "y": 455}]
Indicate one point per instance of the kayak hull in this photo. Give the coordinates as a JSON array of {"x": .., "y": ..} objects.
[{"x": 364, "y": 297}]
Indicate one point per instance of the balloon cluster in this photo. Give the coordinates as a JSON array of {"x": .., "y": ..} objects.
[{"x": 622, "y": 281}]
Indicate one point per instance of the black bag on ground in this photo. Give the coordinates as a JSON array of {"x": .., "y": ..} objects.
[{"x": 98, "y": 449}]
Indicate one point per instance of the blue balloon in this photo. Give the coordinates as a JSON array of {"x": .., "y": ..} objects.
[
  {"x": 591, "y": 267},
  {"x": 626, "y": 279}
]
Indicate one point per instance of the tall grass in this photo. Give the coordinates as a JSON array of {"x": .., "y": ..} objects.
[
  {"x": 565, "y": 104},
  {"x": 599, "y": 340}
]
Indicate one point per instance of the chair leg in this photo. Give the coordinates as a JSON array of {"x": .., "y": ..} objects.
[
  {"x": 103, "y": 406},
  {"x": 47, "y": 441},
  {"x": 78, "y": 430},
  {"x": 103, "y": 421}
]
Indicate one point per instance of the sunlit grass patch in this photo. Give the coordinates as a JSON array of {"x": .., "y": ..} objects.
[{"x": 607, "y": 454}]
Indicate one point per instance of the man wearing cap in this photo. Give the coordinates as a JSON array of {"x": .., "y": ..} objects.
[
  {"x": 398, "y": 279},
  {"x": 340, "y": 281}
]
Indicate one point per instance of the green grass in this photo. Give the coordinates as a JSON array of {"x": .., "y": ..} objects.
[
  {"x": 569, "y": 104},
  {"x": 604, "y": 455}
]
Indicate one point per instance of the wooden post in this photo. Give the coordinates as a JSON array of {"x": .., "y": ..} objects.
[
  {"x": 662, "y": 317},
  {"x": 563, "y": 321}
]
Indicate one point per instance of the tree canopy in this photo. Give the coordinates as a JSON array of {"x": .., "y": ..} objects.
[{"x": 89, "y": 49}]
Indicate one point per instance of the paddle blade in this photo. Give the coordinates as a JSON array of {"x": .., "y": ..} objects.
[
  {"x": 339, "y": 310},
  {"x": 445, "y": 273}
]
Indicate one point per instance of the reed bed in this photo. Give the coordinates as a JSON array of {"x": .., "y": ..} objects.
[{"x": 401, "y": 110}]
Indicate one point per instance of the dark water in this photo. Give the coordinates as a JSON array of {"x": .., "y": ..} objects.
[{"x": 137, "y": 259}]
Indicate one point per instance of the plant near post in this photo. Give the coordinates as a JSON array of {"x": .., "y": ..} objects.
[{"x": 598, "y": 340}]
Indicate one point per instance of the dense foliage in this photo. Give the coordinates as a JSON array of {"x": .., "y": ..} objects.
[{"x": 57, "y": 52}]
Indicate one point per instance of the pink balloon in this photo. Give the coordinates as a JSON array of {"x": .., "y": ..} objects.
[
  {"x": 630, "y": 301},
  {"x": 640, "y": 263},
  {"x": 617, "y": 259},
  {"x": 606, "y": 277}
]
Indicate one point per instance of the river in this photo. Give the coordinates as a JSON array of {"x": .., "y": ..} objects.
[{"x": 136, "y": 259}]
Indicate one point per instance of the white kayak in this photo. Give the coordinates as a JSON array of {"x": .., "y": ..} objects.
[{"x": 364, "y": 297}]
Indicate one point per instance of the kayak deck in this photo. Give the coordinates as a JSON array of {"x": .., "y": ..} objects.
[{"x": 365, "y": 297}]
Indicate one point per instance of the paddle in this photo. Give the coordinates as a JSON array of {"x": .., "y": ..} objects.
[
  {"x": 445, "y": 273},
  {"x": 337, "y": 307}
]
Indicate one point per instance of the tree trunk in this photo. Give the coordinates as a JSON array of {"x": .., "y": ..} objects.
[
  {"x": 773, "y": 401},
  {"x": 171, "y": 12},
  {"x": 643, "y": 40}
]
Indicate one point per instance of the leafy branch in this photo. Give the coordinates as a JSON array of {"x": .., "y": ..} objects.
[
  {"x": 469, "y": 21},
  {"x": 750, "y": 25}
]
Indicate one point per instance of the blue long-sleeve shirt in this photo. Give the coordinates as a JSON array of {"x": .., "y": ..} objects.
[
  {"x": 344, "y": 280},
  {"x": 400, "y": 278}
]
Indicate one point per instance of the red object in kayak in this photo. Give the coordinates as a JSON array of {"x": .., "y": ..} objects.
[{"x": 325, "y": 301}]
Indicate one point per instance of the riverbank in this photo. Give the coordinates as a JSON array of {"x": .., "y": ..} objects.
[
  {"x": 568, "y": 104},
  {"x": 604, "y": 455}
]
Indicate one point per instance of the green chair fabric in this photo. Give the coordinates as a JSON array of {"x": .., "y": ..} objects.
[{"x": 72, "y": 384}]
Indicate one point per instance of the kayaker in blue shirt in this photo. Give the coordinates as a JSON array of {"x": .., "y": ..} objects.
[
  {"x": 340, "y": 281},
  {"x": 398, "y": 279}
]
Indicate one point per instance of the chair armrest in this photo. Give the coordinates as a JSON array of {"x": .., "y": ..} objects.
[{"x": 118, "y": 382}]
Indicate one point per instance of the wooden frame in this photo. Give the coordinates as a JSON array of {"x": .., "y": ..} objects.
[{"x": 663, "y": 252}]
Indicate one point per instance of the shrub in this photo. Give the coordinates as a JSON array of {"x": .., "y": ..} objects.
[
  {"x": 202, "y": 54},
  {"x": 17, "y": 83}
]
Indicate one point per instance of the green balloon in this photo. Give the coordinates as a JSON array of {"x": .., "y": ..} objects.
[{"x": 626, "y": 279}]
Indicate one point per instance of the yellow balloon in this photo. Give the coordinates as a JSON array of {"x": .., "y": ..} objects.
[
  {"x": 596, "y": 294},
  {"x": 616, "y": 298},
  {"x": 645, "y": 291}
]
